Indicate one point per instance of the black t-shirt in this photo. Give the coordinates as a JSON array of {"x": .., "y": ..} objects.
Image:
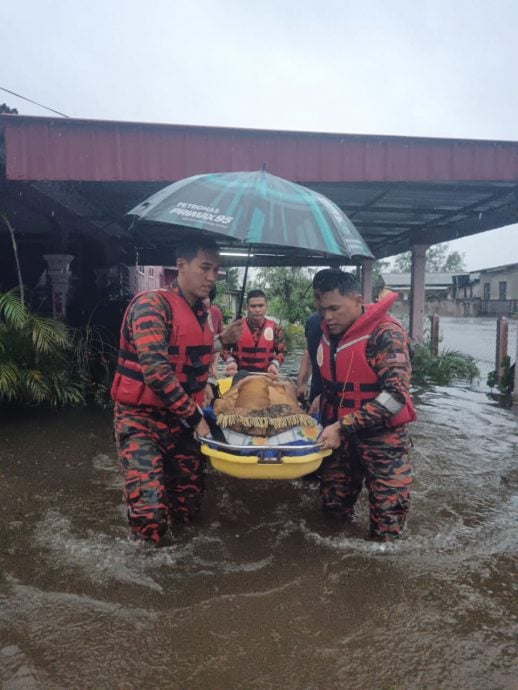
[{"x": 313, "y": 333}]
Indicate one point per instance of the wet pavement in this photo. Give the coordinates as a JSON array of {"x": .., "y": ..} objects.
[{"x": 262, "y": 592}]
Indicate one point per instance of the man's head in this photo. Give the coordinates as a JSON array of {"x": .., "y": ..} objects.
[
  {"x": 339, "y": 299},
  {"x": 256, "y": 305},
  {"x": 198, "y": 265}
]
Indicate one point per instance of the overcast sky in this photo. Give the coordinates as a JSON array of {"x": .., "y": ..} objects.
[{"x": 410, "y": 67}]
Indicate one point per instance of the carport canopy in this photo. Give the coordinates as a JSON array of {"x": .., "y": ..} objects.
[{"x": 398, "y": 191}]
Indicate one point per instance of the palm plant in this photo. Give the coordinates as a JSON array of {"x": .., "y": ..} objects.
[
  {"x": 34, "y": 356},
  {"x": 443, "y": 369}
]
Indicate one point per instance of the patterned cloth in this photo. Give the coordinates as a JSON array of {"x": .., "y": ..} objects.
[
  {"x": 162, "y": 467},
  {"x": 381, "y": 460}
]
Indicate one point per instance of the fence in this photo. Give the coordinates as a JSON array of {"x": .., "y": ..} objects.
[{"x": 498, "y": 307}]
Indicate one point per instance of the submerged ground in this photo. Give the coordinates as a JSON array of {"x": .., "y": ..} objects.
[{"x": 262, "y": 592}]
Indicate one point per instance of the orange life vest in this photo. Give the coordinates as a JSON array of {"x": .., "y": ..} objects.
[
  {"x": 347, "y": 379},
  {"x": 190, "y": 353},
  {"x": 252, "y": 356}
]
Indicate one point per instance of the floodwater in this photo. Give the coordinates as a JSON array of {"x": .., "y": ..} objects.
[
  {"x": 262, "y": 592},
  {"x": 476, "y": 337}
]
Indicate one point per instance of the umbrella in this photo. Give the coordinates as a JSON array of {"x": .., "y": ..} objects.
[{"x": 274, "y": 219}]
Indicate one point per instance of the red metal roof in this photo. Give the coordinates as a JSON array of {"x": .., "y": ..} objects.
[{"x": 89, "y": 150}]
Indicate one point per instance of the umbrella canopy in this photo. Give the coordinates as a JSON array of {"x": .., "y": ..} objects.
[{"x": 253, "y": 210}]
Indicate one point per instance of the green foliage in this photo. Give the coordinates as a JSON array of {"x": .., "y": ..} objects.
[
  {"x": 505, "y": 384},
  {"x": 438, "y": 260},
  {"x": 294, "y": 337},
  {"x": 442, "y": 369},
  {"x": 231, "y": 281},
  {"x": 224, "y": 287},
  {"x": 34, "y": 357},
  {"x": 289, "y": 292}
]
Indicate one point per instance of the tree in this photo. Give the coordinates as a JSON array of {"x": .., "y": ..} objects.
[
  {"x": 454, "y": 262},
  {"x": 289, "y": 291},
  {"x": 438, "y": 260},
  {"x": 4, "y": 108}
]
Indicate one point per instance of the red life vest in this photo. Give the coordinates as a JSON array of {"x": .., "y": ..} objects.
[
  {"x": 190, "y": 354},
  {"x": 347, "y": 379},
  {"x": 252, "y": 356}
]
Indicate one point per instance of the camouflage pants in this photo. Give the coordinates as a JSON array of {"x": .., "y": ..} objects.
[
  {"x": 162, "y": 468},
  {"x": 381, "y": 460}
]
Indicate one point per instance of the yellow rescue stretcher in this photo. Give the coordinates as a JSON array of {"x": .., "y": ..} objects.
[
  {"x": 227, "y": 459},
  {"x": 268, "y": 462}
]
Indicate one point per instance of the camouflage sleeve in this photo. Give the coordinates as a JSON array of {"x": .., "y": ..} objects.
[
  {"x": 388, "y": 354},
  {"x": 280, "y": 347},
  {"x": 148, "y": 323}
]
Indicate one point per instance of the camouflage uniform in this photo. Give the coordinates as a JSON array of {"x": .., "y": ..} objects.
[
  {"x": 160, "y": 460},
  {"x": 369, "y": 450},
  {"x": 162, "y": 467}
]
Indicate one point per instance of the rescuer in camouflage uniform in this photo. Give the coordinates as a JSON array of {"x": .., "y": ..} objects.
[
  {"x": 365, "y": 366},
  {"x": 261, "y": 346},
  {"x": 166, "y": 347}
]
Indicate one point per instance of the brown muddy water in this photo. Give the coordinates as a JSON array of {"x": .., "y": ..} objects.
[{"x": 261, "y": 592}]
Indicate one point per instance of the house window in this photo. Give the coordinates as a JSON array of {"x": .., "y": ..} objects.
[
  {"x": 140, "y": 270},
  {"x": 151, "y": 272},
  {"x": 487, "y": 291},
  {"x": 502, "y": 289}
]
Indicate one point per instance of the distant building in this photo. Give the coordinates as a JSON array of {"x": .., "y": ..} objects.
[
  {"x": 143, "y": 278},
  {"x": 437, "y": 285},
  {"x": 489, "y": 292}
]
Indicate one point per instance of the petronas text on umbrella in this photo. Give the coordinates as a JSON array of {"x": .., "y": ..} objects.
[{"x": 201, "y": 212}]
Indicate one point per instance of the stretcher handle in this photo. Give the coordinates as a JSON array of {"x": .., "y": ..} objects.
[{"x": 229, "y": 446}]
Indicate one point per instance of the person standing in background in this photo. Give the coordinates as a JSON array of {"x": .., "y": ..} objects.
[{"x": 261, "y": 347}]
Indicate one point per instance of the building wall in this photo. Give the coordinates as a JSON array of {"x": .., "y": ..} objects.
[
  {"x": 150, "y": 277},
  {"x": 493, "y": 279}
]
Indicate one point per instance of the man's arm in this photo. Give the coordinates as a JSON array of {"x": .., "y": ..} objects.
[
  {"x": 230, "y": 335},
  {"x": 303, "y": 375},
  {"x": 279, "y": 347},
  {"x": 148, "y": 323}
]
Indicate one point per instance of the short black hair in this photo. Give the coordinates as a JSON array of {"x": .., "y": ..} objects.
[
  {"x": 330, "y": 279},
  {"x": 255, "y": 293},
  {"x": 190, "y": 249}
]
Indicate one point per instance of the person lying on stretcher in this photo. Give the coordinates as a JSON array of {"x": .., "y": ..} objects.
[{"x": 257, "y": 410}]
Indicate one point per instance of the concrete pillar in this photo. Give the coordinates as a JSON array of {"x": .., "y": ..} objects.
[
  {"x": 515, "y": 388},
  {"x": 59, "y": 274},
  {"x": 417, "y": 291},
  {"x": 434, "y": 334},
  {"x": 367, "y": 265},
  {"x": 502, "y": 339}
]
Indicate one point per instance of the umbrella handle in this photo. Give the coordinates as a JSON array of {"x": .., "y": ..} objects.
[{"x": 243, "y": 289}]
